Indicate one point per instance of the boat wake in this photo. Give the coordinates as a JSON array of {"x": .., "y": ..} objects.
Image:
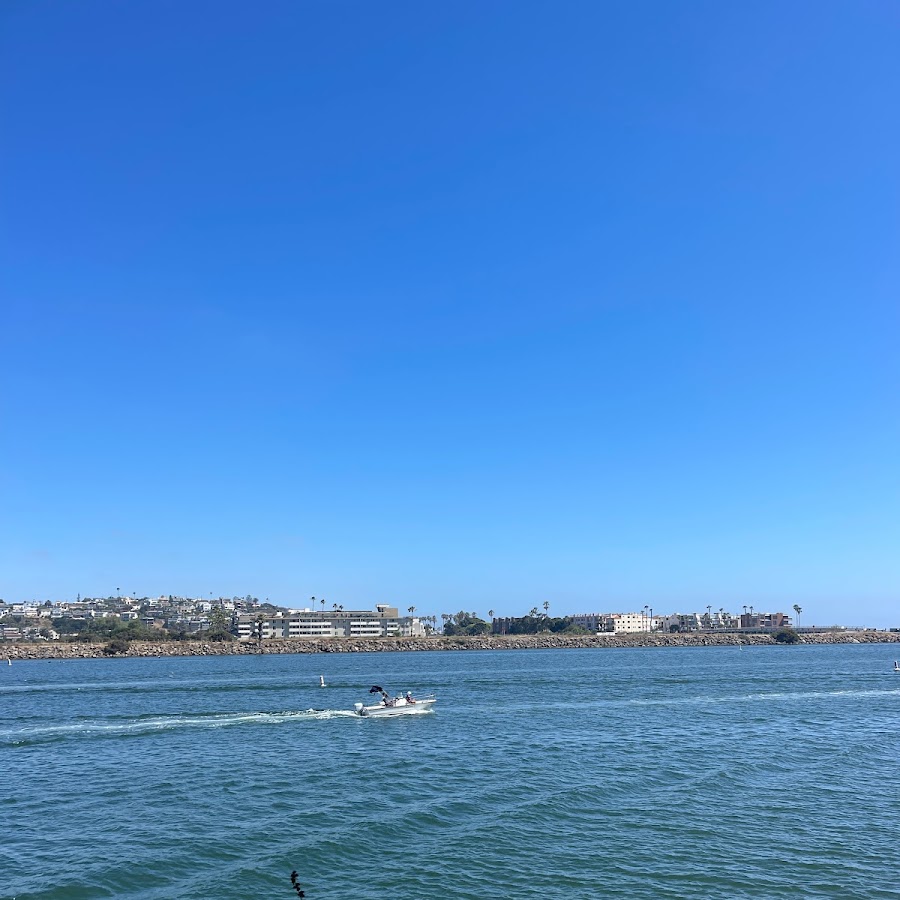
[
  {"x": 153, "y": 724},
  {"x": 167, "y": 686}
]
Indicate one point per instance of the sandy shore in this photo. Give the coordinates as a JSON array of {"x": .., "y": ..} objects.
[{"x": 25, "y": 651}]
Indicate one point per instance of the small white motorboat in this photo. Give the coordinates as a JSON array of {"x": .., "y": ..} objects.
[
  {"x": 395, "y": 706},
  {"x": 896, "y": 667}
]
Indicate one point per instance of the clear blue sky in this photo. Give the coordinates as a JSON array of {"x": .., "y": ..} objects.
[{"x": 461, "y": 305}]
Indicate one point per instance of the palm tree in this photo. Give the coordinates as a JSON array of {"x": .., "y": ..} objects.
[
  {"x": 798, "y": 610},
  {"x": 534, "y": 612},
  {"x": 546, "y": 606},
  {"x": 322, "y": 601},
  {"x": 334, "y": 606},
  {"x": 445, "y": 617},
  {"x": 312, "y": 602},
  {"x": 491, "y": 614},
  {"x": 410, "y": 609}
]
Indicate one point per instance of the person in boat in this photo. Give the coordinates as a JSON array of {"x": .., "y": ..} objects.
[
  {"x": 409, "y": 698},
  {"x": 386, "y": 699}
]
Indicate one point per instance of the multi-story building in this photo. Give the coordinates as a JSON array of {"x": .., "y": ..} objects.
[
  {"x": 590, "y": 621},
  {"x": 717, "y": 620},
  {"x": 722, "y": 621},
  {"x": 616, "y": 623},
  {"x": 765, "y": 620},
  {"x": 384, "y": 621},
  {"x": 628, "y": 623},
  {"x": 190, "y": 624},
  {"x": 682, "y": 622}
]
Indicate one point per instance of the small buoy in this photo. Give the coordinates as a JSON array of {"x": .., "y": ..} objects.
[{"x": 321, "y": 681}]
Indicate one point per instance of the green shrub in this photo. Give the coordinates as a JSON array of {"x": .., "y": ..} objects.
[
  {"x": 787, "y": 636},
  {"x": 116, "y": 646}
]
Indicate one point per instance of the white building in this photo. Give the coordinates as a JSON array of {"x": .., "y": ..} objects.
[
  {"x": 617, "y": 623},
  {"x": 338, "y": 623},
  {"x": 682, "y": 622},
  {"x": 629, "y": 623},
  {"x": 710, "y": 620}
]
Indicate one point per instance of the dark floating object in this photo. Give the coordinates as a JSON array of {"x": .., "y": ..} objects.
[
  {"x": 296, "y": 884},
  {"x": 376, "y": 689}
]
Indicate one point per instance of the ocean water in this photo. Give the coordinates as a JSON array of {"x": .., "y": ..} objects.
[{"x": 711, "y": 772}]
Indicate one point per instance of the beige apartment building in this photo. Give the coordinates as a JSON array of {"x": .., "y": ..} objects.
[{"x": 617, "y": 623}]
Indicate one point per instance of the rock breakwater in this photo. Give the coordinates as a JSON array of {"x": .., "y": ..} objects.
[{"x": 26, "y": 651}]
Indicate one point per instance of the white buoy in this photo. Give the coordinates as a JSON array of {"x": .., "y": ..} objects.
[{"x": 321, "y": 681}]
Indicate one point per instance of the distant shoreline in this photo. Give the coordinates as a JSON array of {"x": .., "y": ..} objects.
[{"x": 140, "y": 649}]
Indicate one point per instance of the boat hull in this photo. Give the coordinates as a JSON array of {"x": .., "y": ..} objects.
[{"x": 401, "y": 708}]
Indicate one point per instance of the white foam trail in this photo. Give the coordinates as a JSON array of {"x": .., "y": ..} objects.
[
  {"x": 166, "y": 683},
  {"x": 165, "y": 723}
]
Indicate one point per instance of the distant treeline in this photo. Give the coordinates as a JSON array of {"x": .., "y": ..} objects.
[
  {"x": 110, "y": 628},
  {"x": 537, "y": 624},
  {"x": 464, "y": 623}
]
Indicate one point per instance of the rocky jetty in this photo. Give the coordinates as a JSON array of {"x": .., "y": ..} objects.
[{"x": 74, "y": 650}]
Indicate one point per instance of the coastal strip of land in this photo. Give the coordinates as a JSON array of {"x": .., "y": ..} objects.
[{"x": 81, "y": 650}]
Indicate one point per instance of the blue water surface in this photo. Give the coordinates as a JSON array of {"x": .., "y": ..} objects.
[{"x": 713, "y": 772}]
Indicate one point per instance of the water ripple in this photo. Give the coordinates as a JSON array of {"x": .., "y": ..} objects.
[{"x": 551, "y": 774}]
